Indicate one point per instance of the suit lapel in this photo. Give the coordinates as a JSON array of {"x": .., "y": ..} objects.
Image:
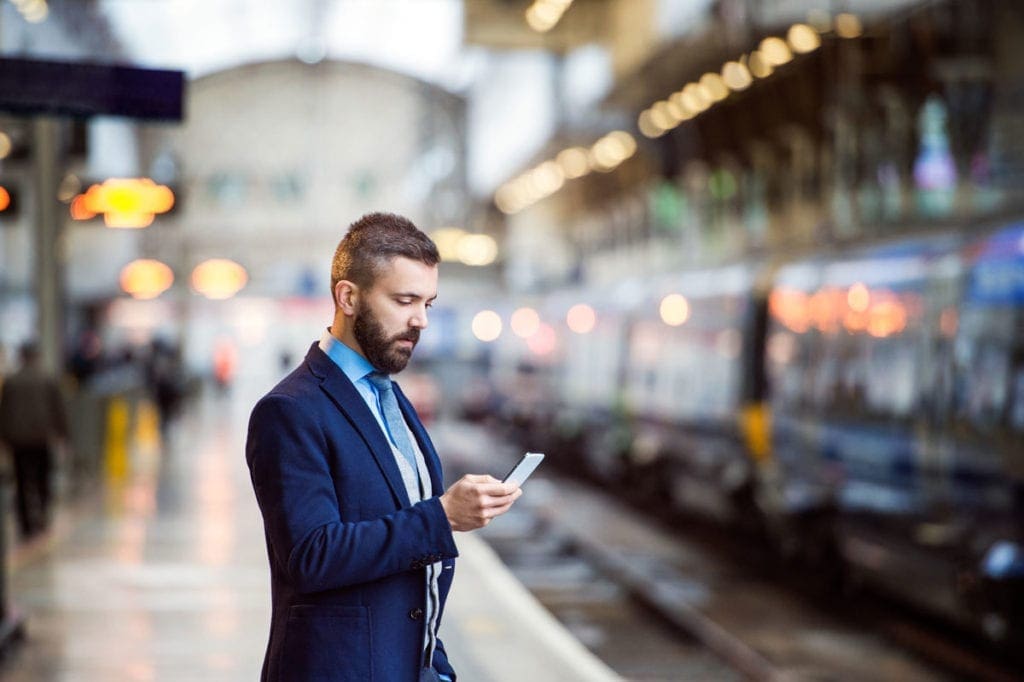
[
  {"x": 347, "y": 399},
  {"x": 426, "y": 446}
]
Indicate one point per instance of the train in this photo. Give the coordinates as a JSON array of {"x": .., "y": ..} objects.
[{"x": 860, "y": 408}]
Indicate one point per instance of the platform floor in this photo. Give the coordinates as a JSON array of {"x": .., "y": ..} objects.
[{"x": 162, "y": 575}]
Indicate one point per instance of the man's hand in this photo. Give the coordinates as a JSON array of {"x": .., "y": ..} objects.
[{"x": 474, "y": 500}]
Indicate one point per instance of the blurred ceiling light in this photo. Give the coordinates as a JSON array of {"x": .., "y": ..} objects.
[
  {"x": 791, "y": 308},
  {"x": 542, "y": 15},
  {"x": 505, "y": 199},
  {"x": 775, "y": 51},
  {"x": 700, "y": 95},
  {"x": 219, "y": 278},
  {"x": 715, "y": 86},
  {"x": 146, "y": 278},
  {"x": 544, "y": 341},
  {"x": 78, "y": 209},
  {"x": 679, "y": 100},
  {"x": 508, "y": 199},
  {"x": 524, "y": 322},
  {"x": 855, "y": 321},
  {"x": 803, "y": 39},
  {"x": 486, "y": 326},
  {"x": 661, "y": 116},
  {"x": 5, "y": 145},
  {"x": 759, "y": 65},
  {"x": 5, "y": 199},
  {"x": 447, "y": 240},
  {"x": 573, "y": 162},
  {"x": 823, "y": 310},
  {"x": 848, "y": 25},
  {"x": 688, "y": 99},
  {"x": 674, "y": 310},
  {"x": 887, "y": 319},
  {"x": 34, "y": 11},
  {"x": 125, "y": 202},
  {"x": 648, "y": 128},
  {"x": 527, "y": 189},
  {"x": 677, "y": 110},
  {"x": 626, "y": 141},
  {"x": 858, "y": 298},
  {"x": 612, "y": 149},
  {"x": 736, "y": 76},
  {"x": 541, "y": 18},
  {"x": 477, "y": 249},
  {"x": 581, "y": 318},
  {"x": 549, "y": 177}
]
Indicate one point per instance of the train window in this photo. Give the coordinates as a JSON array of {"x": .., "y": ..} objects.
[
  {"x": 982, "y": 384},
  {"x": 891, "y": 388},
  {"x": 1016, "y": 413}
]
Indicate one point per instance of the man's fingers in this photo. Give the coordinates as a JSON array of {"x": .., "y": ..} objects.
[
  {"x": 498, "y": 489},
  {"x": 480, "y": 478}
]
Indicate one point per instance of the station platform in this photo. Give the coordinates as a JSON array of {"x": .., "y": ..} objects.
[{"x": 160, "y": 573}]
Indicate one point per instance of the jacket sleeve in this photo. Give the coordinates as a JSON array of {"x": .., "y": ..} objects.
[{"x": 286, "y": 453}]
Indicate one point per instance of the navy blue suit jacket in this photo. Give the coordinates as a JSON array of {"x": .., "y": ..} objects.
[{"x": 347, "y": 550}]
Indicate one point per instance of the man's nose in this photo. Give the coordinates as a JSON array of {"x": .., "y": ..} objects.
[{"x": 419, "y": 319}]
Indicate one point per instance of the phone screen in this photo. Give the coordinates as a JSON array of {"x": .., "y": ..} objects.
[{"x": 521, "y": 471}]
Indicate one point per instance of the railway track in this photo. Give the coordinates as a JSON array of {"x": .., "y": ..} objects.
[{"x": 656, "y": 604}]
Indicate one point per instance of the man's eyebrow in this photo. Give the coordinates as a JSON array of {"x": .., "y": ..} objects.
[{"x": 410, "y": 294}]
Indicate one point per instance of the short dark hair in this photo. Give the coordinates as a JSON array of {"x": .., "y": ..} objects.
[{"x": 372, "y": 241}]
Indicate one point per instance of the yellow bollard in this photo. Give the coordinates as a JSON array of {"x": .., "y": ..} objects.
[
  {"x": 115, "y": 451},
  {"x": 756, "y": 426}
]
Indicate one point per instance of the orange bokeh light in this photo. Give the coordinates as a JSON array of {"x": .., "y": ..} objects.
[
  {"x": 544, "y": 341},
  {"x": 581, "y": 318},
  {"x": 5, "y": 198},
  {"x": 146, "y": 278},
  {"x": 791, "y": 307},
  {"x": 219, "y": 278},
  {"x": 124, "y": 202}
]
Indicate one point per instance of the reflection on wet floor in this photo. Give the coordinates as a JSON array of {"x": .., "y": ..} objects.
[{"x": 162, "y": 576}]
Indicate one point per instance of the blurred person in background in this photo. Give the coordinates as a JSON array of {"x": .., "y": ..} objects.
[
  {"x": 32, "y": 421},
  {"x": 87, "y": 358},
  {"x": 164, "y": 376},
  {"x": 358, "y": 525},
  {"x": 225, "y": 360}
]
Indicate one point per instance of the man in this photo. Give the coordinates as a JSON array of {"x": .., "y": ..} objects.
[
  {"x": 32, "y": 417},
  {"x": 358, "y": 533}
]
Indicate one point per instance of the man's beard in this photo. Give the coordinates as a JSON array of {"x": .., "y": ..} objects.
[{"x": 377, "y": 347}]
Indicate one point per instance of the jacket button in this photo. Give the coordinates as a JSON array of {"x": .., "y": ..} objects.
[{"x": 416, "y": 613}]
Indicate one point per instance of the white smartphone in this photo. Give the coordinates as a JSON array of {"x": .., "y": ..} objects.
[{"x": 521, "y": 471}]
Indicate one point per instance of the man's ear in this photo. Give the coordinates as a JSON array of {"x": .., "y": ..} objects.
[{"x": 346, "y": 296}]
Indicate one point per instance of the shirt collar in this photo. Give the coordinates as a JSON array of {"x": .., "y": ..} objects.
[{"x": 354, "y": 365}]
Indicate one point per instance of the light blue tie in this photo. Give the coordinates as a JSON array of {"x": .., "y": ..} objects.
[{"x": 393, "y": 416}]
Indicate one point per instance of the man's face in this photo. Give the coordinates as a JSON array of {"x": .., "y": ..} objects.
[{"x": 393, "y": 311}]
